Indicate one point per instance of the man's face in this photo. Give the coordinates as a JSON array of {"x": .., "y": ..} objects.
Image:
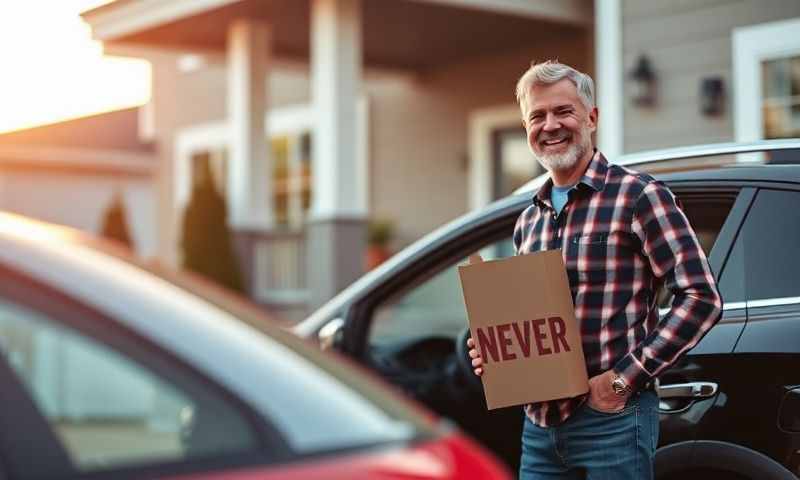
[{"x": 558, "y": 125}]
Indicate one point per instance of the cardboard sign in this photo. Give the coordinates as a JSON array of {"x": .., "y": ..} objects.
[{"x": 522, "y": 319}]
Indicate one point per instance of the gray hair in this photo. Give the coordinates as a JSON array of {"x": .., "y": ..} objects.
[{"x": 550, "y": 72}]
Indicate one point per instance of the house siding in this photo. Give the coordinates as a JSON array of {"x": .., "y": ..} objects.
[{"x": 686, "y": 41}]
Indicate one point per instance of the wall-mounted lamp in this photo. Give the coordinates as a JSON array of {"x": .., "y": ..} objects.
[
  {"x": 712, "y": 96},
  {"x": 644, "y": 83}
]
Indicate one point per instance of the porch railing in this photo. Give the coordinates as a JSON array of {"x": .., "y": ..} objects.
[{"x": 274, "y": 266}]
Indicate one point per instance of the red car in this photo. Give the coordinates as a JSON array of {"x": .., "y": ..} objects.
[{"x": 111, "y": 370}]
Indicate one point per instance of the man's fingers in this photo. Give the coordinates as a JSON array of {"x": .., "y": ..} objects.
[{"x": 477, "y": 361}]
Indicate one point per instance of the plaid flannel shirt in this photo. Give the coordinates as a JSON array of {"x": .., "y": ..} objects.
[{"x": 622, "y": 237}]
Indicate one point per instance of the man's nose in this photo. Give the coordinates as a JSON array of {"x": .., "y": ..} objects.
[{"x": 551, "y": 123}]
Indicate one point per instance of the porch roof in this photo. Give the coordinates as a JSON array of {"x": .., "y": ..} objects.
[{"x": 406, "y": 34}]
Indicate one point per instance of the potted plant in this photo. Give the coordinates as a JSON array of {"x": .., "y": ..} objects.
[{"x": 379, "y": 235}]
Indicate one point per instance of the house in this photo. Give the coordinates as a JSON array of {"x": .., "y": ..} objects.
[
  {"x": 70, "y": 172},
  {"x": 318, "y": 116}
]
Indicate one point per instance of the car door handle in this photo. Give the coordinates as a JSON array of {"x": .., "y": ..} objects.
[{"x": 693, "y": 390}]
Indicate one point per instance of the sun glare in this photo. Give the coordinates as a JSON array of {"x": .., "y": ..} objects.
[{"x": 53, "y": 70}]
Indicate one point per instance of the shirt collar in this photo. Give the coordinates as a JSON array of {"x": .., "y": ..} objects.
[{"x": 594, "y": 177}]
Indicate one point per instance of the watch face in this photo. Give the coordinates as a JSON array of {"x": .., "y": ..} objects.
[{"x": 619, "y": 386}]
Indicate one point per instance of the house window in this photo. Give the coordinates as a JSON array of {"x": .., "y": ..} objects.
[
  {"x": 291, "y": 175},
  {"x": 781, "y": 97},
  {"x": 291, "y": 179}
]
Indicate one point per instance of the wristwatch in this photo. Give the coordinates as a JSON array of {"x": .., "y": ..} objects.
[{"x": 620, "y": 386}]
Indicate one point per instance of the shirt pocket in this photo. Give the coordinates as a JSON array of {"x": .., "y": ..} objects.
[{"x": 602, "y": 257}]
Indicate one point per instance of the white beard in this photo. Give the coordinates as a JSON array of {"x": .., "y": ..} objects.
[{"x": 568, "y": 159}]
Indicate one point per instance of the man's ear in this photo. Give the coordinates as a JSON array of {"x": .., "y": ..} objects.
[{"x": 593, "y": 117}]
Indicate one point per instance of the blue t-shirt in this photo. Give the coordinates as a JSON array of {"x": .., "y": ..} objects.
[{"x": 559, "y": 196}]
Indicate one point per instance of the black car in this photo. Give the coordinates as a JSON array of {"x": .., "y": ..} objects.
[{"x": 729, "y": 409}]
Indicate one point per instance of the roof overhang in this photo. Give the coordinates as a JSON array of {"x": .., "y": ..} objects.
[
  {"x": 122, "y": 18},
  {"x": 83, "y": 161},
  {"x": 413, "y": 34}
]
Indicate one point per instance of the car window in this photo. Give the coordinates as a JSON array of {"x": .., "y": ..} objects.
[
  {"x": 771, "y": 236},
  {"x": 107, "y": 410},
  {"x": 707, "y": 213},
  {"x": 431, "y": 308}
]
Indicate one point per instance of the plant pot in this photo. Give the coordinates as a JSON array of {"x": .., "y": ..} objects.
[{"x": 375, "y": 256}]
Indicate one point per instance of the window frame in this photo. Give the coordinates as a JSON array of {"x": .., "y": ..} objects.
[
  {"x": 766, "y": 302},
  {"x": 65, "y": 311}
]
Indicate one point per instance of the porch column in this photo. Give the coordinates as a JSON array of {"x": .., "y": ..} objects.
[
  {"x": 609, "y": 76},
  {"x": 336, "y": 228},
  {"x": 249, "y": 162}
]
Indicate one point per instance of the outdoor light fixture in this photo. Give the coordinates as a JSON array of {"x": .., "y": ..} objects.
[
  {"x": 644, "y": 83},
  {"x": 712, "y": 96}
]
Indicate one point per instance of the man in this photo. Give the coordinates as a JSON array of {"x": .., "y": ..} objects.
[{"x": 622, "y": 237}]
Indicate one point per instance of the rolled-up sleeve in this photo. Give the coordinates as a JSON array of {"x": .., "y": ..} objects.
[{"x": 676, "y": 259}]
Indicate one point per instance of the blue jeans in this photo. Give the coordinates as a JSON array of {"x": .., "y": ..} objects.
[{"x": 593, "y": 445}]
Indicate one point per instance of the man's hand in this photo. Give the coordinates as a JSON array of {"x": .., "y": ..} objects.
[
  {"x": 602, "y": 396},
  {"x": 477, "y": 361}
]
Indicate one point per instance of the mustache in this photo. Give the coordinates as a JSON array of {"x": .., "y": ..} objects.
[{"x": 556, "y": 135}]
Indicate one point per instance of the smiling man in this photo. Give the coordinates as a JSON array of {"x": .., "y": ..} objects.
[{"x": 622, "y": 237}]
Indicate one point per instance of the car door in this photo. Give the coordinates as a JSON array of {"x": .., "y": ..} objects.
[
  {"x": 689, "y": 388},
  {"x": 767, "y": 355}
]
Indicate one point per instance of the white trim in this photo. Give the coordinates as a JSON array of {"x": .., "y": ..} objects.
[
  {"x": 609, "y": 73},
  {"x": 102, "y": 159},
  {"x": 734, "y": 306},
  {"x": 773, "y": 302},
  {"x": 109, "y": 22},
  {"x": 752, "y": 45},
  {"x": 567, "y": 11},
  {"x": 482, "y": 123}
]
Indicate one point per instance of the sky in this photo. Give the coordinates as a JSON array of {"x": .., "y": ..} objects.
[{"x": 52, "y": 70}]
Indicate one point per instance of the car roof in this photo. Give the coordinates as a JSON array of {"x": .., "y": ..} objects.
[
  {"x": 719, "y": 161},
  {"x": 754, "y": 173}
]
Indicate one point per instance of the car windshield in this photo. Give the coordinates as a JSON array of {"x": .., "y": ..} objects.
[{"x": 315, "y": 400}]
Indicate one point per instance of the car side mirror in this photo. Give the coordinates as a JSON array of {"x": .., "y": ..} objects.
[{"x": 331, "y": 334}]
